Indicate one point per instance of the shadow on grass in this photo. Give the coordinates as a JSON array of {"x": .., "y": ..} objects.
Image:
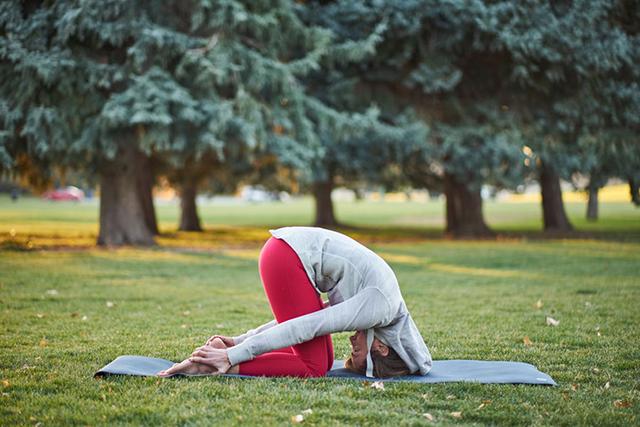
[{"x": 220, "y": 237}]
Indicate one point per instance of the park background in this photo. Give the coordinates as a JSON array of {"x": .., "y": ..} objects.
[{"x": 488, "y": 150}]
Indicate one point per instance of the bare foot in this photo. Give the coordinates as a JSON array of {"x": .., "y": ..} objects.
[{"x": 188, "y": 367}]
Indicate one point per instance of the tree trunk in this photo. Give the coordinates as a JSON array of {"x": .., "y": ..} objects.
[
  {"x": 189, "y": 220},
  {"x": 145, "y": 189},
  {"x": 634, "y": 189},
  {"x": 324, "y": 205},
  {"x": 464, "y": 210},
  {"x": 592, "y": 204},
  {"x": 122, "y": 214},
  {"x": 554, "y": 215}
]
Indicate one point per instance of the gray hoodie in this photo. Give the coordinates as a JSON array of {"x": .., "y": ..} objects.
[{"x": 363, "y": 295}]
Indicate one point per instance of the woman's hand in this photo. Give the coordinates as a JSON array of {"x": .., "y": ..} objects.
[
  {"x": 228, "y": 341},
  {"x": 215, "y": 357}
]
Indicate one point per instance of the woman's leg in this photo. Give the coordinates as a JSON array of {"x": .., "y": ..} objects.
[{"x": 290, "y": 295}]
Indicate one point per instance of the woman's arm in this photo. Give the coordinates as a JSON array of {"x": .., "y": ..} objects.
[{"x": 367, "y": 309}]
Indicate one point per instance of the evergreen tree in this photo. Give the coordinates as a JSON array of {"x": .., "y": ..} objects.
[
  {"x": 112, "y": 85},
  {"x": 575, "y": 65},
  {"x": 434, "y": 58}
]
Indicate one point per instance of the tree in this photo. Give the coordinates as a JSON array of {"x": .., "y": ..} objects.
[
  {"x": 107, "y": 85},
  {"x": 433, "y": 57},
  {"x": 575, "y": 65}
]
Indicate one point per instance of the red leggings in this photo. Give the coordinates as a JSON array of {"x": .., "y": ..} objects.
[{"x": 290, "y": 295}]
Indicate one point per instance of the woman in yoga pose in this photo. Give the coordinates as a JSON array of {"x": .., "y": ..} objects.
[{"x": 296, "y": 265}]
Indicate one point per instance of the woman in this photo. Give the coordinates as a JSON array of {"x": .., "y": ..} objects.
[{"x": 296, "y": 265}]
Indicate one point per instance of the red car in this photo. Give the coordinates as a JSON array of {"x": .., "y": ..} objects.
[{"x": 67, "y": 193}]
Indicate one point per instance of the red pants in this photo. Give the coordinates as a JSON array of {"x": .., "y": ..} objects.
[{"x": 290, "y": 295}]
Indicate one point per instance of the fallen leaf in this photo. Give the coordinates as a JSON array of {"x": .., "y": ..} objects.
[
  {"x": 574, "y": 387},
  {"x": 5, "y": 383},
  {"x": 482, "y": 405},
  {"x": 428, "y": 416},
  {"x": 487, "y": 401},
  {"x": 84, "y": 318},
  {"x": 110, "y": 304},
  {"x": 52, "y": 292},
  {"x": 43, "y": 342},
  {"x": 621, "y": 403},
  {"x": 596, "y": 370},
  {"x": 457, "y": 414},
  {"x": 378, "y": 385},
  {"x": 450, "y": 397},
  {"x": 538, "y": 304},
  {"x": 183, "y": 326},
  {"x": 552, "y": 322},
  {"x": 186, "y": 312},
  {"x": 607, "y": 385},
  {"x": 39, "y": 315},
  {"x": 307, "y": 412},
  {"x": 75, "y": 314},
  {"x": 527, "y": 341},
  {"x": 297, "y": 419}
]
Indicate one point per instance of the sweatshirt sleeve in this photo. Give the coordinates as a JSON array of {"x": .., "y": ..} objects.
[
  {"x": 240, "y": 338},
  {"x": 367, "y": 309}
]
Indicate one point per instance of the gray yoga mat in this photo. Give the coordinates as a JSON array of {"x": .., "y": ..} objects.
[{"x": 485, "y": 372}]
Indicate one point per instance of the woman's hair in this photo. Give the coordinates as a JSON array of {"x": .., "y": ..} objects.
[{"x": 387, "y": 366}]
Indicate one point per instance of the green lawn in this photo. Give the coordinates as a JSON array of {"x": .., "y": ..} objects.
[{"x": 470, "y": 299}]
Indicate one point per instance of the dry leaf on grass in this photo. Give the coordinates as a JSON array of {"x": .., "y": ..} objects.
[
  {"x": 39, "y": 315},
  {"x": 5, "y": 383},
  {"x": 307, "y": 412},
  {"x": 43, "y": 343},
  {"x": 378, "y": 385},
  {"x": 457, "y": 414},
  {"x": 621, "y": 403},
  {"x": 538, "y": 304},
  {"x": 450, "y": 397},
  {"x": 84, "y": 318},
  {"x": 607, "y": 385},
  {"x": 552, "y": 322},
  {"x": 428, "y": 416},
  {"x": 297, "y": 419},
  {"x": 52, "y": 292},
  {"x": 526, "y": 341},
  {"x": 574, "y": 387}
]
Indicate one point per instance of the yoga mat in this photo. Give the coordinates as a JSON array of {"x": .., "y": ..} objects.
[{"x": 485, "y": 372}]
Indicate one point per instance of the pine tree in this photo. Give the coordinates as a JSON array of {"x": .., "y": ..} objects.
[
  {"x": 433, "y": 57},
  {"x": 112, "y": 86}
]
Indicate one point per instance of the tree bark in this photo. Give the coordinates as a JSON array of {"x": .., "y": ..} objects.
[
  {"x": 324, "y": 204},
  {"x": 145, "y": 189},
  {"x": 634, "y": 189},
  {"x": 122, "y": 214},
  {"x": 463, "y": 210},
  {"x": 592, "y": 204},
  {"x": 554, "y": 215},
  {"x": 189, "y": 219}
]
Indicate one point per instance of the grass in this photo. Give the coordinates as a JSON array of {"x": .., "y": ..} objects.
[{"x": 470, "y": 299}]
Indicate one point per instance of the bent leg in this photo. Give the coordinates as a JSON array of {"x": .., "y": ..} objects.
[{"x": 290, "y": 294}]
